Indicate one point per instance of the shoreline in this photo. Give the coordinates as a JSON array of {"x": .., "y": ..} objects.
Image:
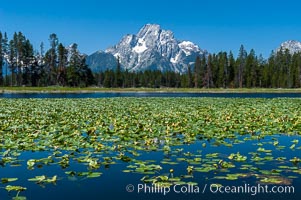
[{"x": 7, "y": 90}]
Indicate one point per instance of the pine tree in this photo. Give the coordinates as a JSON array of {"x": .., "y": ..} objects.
[
  {"x": 5, "y": 51},
  {"x": 288, "y": 69},
  {"x": 1, "y": 59},
  {"x": 250, "y": 70},
  {"x": 28, "y": 61},
  {"x": 259, "y": 71},
  {"x": 118, "y": 77},
  {"x": 197, "y": 72},
  {"x": 208, "y": 74},
  {"x": 73, "y": 69},
  {"x": 108, "y": 79},
  {"x": 78, "y": 73},
  {"x": 51, "y": 59},
  {"x": 273, "y": 71},
  {"x": 297, "y": 70},
  {"x": 21, "y": 56},
  {"x": 39, "y": 69},
  {"x": 231, "y": 70},
  {"x": 62, "y": 64},
  {"x": 189, "y": 74},
  {"x": 241, "y": 64},
  {"x": 12, "y": 61},
  {"x": 222, "y": 70},
  {"x": 203, "y": 70}
]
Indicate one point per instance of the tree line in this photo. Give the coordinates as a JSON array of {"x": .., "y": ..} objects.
[
  {"x": 281, "y": 70},
  {"x": 65, "y": 66},
  {"x": 24, "y": 66}
]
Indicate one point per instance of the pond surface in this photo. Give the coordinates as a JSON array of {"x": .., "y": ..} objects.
[
  {"x": 148, "y": 94},
  {"x": 100, "y": 148},
  {"x": 264, "y": 160}
]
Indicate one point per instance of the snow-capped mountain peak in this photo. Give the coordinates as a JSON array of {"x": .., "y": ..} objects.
[
  {"x": 152, "y": 48},
  {"x": 149, "y": 29},
  {"x": 292, "y": 45}
]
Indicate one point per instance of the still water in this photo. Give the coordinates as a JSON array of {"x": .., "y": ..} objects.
[
  {"x": 148, "y": 94},
  {"x": 113, "y": 182}
]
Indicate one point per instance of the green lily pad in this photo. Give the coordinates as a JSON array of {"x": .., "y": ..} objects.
[
  {"x": 7, "y": 180},
  {"x": 94, "y": 175},
  {"x": 275, "y": 180},
  {"x": 19, "y": 198},
  {"x": 15, "y": 188}
]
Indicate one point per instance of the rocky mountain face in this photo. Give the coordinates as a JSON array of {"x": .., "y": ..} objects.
[
  {"x": 292, "y": 45},
  {"x": 151, "y": 49}
]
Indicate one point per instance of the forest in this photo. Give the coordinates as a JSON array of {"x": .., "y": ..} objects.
[{"x": 22, "y": 65}]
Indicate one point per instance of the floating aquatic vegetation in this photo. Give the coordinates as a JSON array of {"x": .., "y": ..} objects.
[
  {"x": 43, "y": 179},
  {"x": 17, "y": 189},
  {"x": 237, "y": 157},
  {"x": 98, "y": 133},
  {"x": 295, "y": 160},
  {"x": 7, "y": 180},
  {"x": 89, "y": 174},
  {"x": 278, "y": 180},
  {"x": 232, "y": 177},
  {"x": 260, "y": 149}
]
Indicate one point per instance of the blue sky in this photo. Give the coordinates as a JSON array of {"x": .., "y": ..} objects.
[{"x": 213, "y": 25}]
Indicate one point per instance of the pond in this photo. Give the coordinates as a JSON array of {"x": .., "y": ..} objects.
[
  {"x": 139, "y": 148},
  {"x": 113, "y": 181},
  {"x": 148, "y": 94}
]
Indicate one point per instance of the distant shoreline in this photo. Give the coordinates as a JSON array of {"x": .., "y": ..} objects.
[{"x": 142, "y": 90}]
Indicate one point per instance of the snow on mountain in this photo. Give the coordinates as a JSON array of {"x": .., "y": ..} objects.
[
  {"x": 152, "y": 48},
  {"x": 292, "y": 45},
  {"x": 140, "y": 47}
]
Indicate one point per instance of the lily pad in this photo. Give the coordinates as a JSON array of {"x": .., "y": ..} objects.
[{"x": 7, "y": 180}]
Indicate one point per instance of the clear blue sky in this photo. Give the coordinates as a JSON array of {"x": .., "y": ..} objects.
[{"x": 213, "y": 25}]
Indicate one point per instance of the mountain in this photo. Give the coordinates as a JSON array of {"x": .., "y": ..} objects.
[
  {"x": 292, "y": 45},
  {"x": 152, "y": 48},
  {"x": 101, "y": 61}
]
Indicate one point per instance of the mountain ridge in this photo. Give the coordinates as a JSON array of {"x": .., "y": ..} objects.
[{"x": 152, "y": 48}]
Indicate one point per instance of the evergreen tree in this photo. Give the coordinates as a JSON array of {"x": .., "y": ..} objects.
[
  {"x": 222, "y": 77},
  {"x": 1, "y": 59},
  {"x": 288, "y": 69},
  {"x": 5, "y": 52},
  {"x": 51, "y": 59},
  {"x": 241, "y": 64},
  {"x": 231, "y": 70},
  {"x": 20, "y": 41},
  {"x": 73, "y": 69},
  {"x": 208, "y": 74},
  {"x": 250, "y": 70},
  {"x": 197, "y": 72},
  {"x": 12, "y": 61},
  {"x": 108, "y": 79},
  {"x": 189, "y": 77},
  {"x": 62, "y": 64},
  {"x": 78, "y": 73},
  {"x": 214, "y": 69},
  {"x": 118, "y": 77},
  {"x": 272, "y": 71},
  {"x": 28, "y": 61},
  {"x": 203, "y": 70},
  {"x": 259, "y": 71},
  {"x": 39, "y": 69}
]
